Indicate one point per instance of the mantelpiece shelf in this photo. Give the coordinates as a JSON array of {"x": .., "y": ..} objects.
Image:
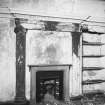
[
  {"x": 93, "y": 56},
  {"x": 92, "y": 68},
  {"x": 87, "y": 82},
  {"x": 93, "y": 43}
]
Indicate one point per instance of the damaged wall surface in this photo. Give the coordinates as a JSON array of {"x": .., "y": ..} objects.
[
  {"x": 43, "y": 46},
  {"x": 7, "y": 60},
  {"x": 47, "y": 47}
]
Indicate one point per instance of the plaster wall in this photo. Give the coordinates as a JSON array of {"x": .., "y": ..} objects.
[
  {"x": 7, "y": 61},
  {"x": 65, "y": 8},
  {"x": 95, "y": 61},
  {"x": 61, "y": 8},
  {"x": 46, "y": 47},
  {"x": 43, "y": 48}
]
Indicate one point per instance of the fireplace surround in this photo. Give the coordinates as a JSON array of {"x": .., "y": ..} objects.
[{"x": 44, "y": 76}]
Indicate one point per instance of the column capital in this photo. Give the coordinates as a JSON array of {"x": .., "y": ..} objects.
[{"x": 19, "y": 28}]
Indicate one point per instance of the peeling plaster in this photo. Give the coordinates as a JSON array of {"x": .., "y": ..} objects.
[
  {"x": 49, "y": 45},
  {"x": 46, "y": 47}
]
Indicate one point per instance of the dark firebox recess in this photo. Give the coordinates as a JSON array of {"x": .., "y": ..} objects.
[{"x": 49, "y": 78}]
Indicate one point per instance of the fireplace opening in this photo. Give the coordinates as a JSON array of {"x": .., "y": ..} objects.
[
  {"x": 49, "y": 81},
  {"x": 53, "y": 79}
]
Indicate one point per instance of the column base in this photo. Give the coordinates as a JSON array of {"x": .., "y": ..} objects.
[{"x": 20, "y": 101}]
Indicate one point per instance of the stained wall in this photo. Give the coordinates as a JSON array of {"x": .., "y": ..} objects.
[
  {"x": 7, "y": 60},
  {"x": 63, "y": 8},
  {"x": 46, "y": 47}
]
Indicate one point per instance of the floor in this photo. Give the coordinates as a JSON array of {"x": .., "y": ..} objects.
[{"x": 87, "y": 99}]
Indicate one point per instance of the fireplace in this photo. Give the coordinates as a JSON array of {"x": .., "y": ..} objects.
[{"x": 45, "y": 77}]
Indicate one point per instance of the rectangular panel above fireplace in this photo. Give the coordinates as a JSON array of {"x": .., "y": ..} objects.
[{"x": 45, "y": 76}]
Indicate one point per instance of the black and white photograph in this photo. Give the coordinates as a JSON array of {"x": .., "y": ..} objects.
[{"x": 52, "y": 52}]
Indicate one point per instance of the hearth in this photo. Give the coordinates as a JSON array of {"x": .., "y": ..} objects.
[{"x": 49, "y": 78}]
